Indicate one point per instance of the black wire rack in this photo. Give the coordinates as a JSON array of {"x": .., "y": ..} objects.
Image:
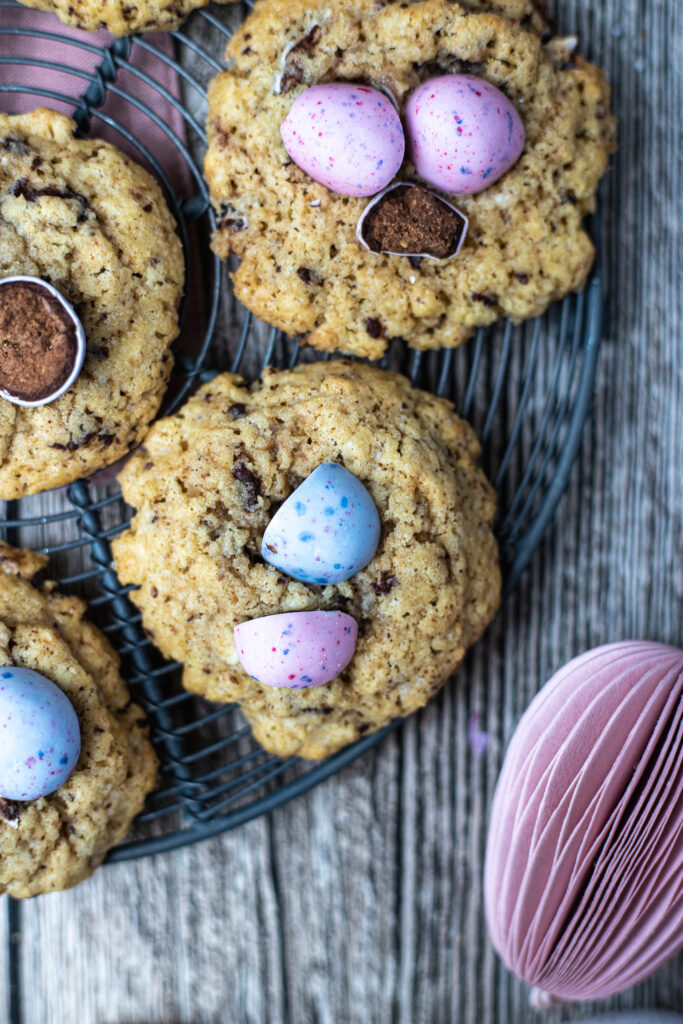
[{"x": 526, "y": 390}]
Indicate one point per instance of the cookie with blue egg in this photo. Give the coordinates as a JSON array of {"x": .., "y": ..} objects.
[
  {"x": 294, "y": 163},
  {"x": 331, "y": 508},
  {"x": 77, "y": 772}
]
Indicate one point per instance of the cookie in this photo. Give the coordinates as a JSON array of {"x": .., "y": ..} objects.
[
  {"x": 302, "y": 267},
  {"x": 121, "y": 18},
  {"x": 210, "y": 479},
  {"x": 58, "y": 840},
  {"x": 87, "y": 219}
]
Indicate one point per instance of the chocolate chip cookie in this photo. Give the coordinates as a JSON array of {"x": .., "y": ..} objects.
[
  {"x": 118, "y": 16},
  {"x": 209, "y": 480},
  {"x": 58, "y": 840},
  {"x": 302, "y": 267},
  {"x": 82, "y": 216}
]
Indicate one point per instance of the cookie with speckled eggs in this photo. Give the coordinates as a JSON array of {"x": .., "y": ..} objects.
[
  {"x": 83, "y": 216},
  {"x": 56, "y": 841},
  {"x": 209, "y": 481},
  {"x": 302, "y": 267}
]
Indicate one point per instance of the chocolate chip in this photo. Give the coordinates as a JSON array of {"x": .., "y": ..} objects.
[
  {"x": 237, "y": 410},
  {"x": 11, "y": 809},
  {"x": 486, "y": 298},
  {"x": 16, "y": 145},
  {"x": 148, "y": 207},
  {"x": 36, "y": 163},
  {"x": 230, "y": 220},
  {"x": 362, "y": 727},
  {"x": 250, "y": 482},
  {"x": 292, "y": 77},
  {"x": 521, "y": 277},
  {"x": 254, "y": 559},
  {"x": 308, "y": 43},
  {"x": 83, "y": 442},
  {"x": 316, "y": 711},
  {"x": 154, "y": 592},
  {"x": 32, "y": 195},
  {"x": 305, "y": 275},
  {"x": 386, "y": 583},
  {"x": 374, "y": 327},
  {"x": 412, "y": 221}
]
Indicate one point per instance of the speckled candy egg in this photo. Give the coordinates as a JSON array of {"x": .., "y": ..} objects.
[
  {"x": 296, "y": 649},
  {"x": 347, "y": 137},
  {"x": 326, "y": 531},
  {"x": 464, "y": 133},
  {"x": 40, "y": 738}
]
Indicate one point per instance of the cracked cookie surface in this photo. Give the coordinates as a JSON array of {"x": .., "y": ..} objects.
[
  {"x": 57, "y": 841},
  {"x": 83, "y": 216},
  {"x": 119, "y": 17},
  {"x": 210, "y": 478},
  {"x": 302, "y": 268}
]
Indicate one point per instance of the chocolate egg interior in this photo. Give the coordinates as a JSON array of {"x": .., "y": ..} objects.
[
  {"x": 38, "y": 341},
  {"x": 411, "y": 220}
]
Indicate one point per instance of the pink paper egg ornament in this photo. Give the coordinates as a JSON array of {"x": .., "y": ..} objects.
[{"x": 584, "y": 862}]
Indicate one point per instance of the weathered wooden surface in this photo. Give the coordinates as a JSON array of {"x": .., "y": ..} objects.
[{"x": 362, "y": 902}]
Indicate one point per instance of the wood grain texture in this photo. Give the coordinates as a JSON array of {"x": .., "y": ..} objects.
[{"x": 361, "y": 903}]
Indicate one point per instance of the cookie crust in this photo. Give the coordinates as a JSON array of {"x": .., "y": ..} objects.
[
  {"x": 302, "y": 268},
  {"x": 57, "y": 841},
  {"x": 209, "y": 480},
  {"x": 83, "y": 216},
  {"x": 118, "y": 16}
]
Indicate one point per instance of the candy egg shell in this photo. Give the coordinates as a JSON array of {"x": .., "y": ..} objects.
[
  {"x": 40, "y": 737},
  {"x": 296, "y": 649},
  {"x": 326, "y": 531},
  {"x": 464, "y": 133},
  {"x": 583, "y": 861},
  {"x": 347, "y": 137}
]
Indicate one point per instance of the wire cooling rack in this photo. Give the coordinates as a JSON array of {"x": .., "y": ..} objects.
[{"x": 526, "y": 389}]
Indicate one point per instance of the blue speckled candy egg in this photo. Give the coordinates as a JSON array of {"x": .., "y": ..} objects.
[
  {"x": 326, "y": 531},
  {"x": 40, "y": 738}
]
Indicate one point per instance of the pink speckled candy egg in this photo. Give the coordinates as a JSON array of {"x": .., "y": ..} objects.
[
  {"x": 464, "y": 133},
  {"x": 40, "y": 738},
  {"x": 347, "y": 137},
  {"x": 296, "y": 649}
]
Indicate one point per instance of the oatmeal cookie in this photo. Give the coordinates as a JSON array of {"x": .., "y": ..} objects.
[
  {"x": 118, "y": 16},
  {"x": 209, "y": 480},
  {"x": 87, "y": 219},
  {"x": 58, "y": 840},
  {"x": 302, "y": 267}
]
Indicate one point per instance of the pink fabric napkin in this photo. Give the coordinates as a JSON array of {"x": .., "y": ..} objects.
[{"x": 83, "y": 52}]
